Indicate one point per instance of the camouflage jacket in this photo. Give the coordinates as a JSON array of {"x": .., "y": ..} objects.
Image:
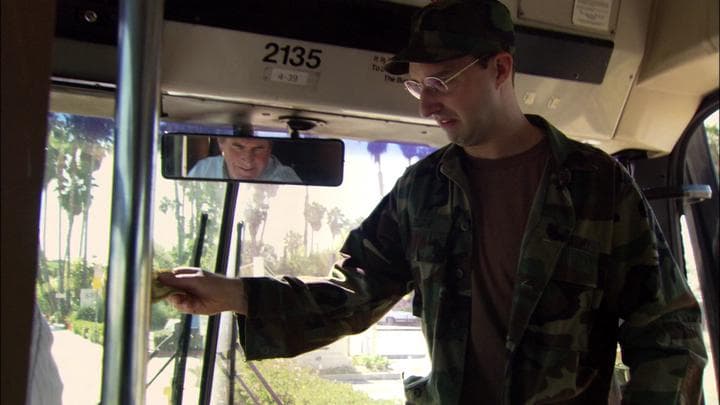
[{"x": 594, "y": 270}]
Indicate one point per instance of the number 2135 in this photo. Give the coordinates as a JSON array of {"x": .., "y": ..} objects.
[{"x": 295, "y": 56}]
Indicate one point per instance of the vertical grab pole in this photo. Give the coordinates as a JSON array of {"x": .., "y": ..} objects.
[{"x": 136, "y": 119}]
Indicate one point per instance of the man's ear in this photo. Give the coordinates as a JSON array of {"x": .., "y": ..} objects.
[{"x": 503, "y": 68}]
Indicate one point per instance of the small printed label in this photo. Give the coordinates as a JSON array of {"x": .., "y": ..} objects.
[
  {"x": 593, "y": 14},
  {"x": 288, "y": 76},
  {"x": 378, "y": 65}
]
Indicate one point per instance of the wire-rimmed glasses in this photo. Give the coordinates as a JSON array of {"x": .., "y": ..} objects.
[{"x": 434, "y": 84}]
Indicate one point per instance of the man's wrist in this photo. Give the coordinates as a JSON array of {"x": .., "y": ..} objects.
[{"x": 238, "y": 297}]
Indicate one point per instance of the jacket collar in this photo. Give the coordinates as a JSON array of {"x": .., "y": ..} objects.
[{"x": 564, "y": 153}]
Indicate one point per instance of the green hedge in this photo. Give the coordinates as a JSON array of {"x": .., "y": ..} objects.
[
  {"x": 298, "y": 385},
  {"x": 372, "y": 362},
  {"x": 89, "y": 330}
]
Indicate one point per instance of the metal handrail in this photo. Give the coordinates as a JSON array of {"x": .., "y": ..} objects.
[{"x": 129, "y": 267}]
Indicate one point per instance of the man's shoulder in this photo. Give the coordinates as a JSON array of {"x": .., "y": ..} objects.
[
  {"x": 571, "y": 153},
  {"x": 584, "y": 155},
  {"x": 429, "y": 164},
  {"x": 208, "y": 167}
]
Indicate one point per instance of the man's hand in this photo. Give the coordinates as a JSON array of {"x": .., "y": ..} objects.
[{"x": 205, "y": 293}]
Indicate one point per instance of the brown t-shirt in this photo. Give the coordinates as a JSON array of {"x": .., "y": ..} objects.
[{"x": 502, "y": 192}]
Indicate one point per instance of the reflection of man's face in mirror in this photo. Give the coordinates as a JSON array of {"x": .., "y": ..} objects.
[{"x": 245, "y": 158}]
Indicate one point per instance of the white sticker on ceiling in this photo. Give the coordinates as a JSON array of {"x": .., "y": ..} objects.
[{"x": 593, "y": 14}]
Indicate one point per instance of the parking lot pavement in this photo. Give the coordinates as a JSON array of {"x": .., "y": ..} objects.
[{"x": 79, "y": 362}]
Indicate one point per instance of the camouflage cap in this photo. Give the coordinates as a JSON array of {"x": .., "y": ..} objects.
[{"x": 448, "y": 29}]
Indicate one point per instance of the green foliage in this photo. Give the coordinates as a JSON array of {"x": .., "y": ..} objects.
[
  {"x": 91, "y": 313},
  {"x": 195, "y": 198},
  {"x": 89, "y": 330},
  {"x": 296, "y": 385},
  {"x": 160, "y": 313},
  {"x": 79, "y": 277},
  {"x": 372, "y": 362},
  {"x": 163, "y": 258},
  {"x": 160, "y": 338},
  {"x": 47, "y": 287},
  {"x": 76, "y": 148},
  {"x": 165, "y": 340},
  {"x": 85, "y": 313}
]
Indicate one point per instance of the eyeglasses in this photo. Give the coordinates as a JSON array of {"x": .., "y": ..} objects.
[{"x": 433, "y": 84}]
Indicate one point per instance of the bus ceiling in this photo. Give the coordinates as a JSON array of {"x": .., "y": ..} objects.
[{"x": 618, "y": 74}]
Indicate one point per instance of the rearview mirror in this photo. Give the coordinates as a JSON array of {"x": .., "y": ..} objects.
[{"x": 306, "y": 161}]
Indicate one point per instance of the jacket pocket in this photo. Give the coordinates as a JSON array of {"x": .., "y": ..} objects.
[
  {"x": 547, "y": 375},
  {"x": 428, "y": 251},
  {"x": 564, "y": 314}
]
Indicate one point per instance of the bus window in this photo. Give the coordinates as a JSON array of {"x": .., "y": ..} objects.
[
  {"x": 74, "y": 239},
  {"x": 288, "y": 229},
  {"x": 298, "y": 230}
]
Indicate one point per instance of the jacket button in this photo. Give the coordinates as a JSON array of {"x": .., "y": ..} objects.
[
  {"x": 465, "y": 225},
  {"x": 459, "y": 273}
]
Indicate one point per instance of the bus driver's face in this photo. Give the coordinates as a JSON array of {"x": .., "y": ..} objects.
[{"x": 245, "y": 158}]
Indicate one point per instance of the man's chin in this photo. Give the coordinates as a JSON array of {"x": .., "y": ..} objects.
[
  {"x": 456, "y": 138},
  {"x": 244, "y": 176}
]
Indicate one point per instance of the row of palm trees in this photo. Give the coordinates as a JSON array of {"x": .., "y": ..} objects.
[{"x": 75, "y": 150}]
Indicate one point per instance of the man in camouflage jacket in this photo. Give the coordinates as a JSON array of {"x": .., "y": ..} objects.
[
  {"x": 593, "y": 268},
  {"x": 590, "y": 229}
]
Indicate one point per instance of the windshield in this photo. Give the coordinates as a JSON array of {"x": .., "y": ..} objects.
[{"x": 279, "y": 230}]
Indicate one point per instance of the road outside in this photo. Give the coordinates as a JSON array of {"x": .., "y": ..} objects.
[{"x": 80, "y": 364}]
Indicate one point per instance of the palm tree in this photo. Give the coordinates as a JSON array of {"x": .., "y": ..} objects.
[
  {"x": 202, "y": 198},
  {"x": 69, "y": 189},
  {"x": 263, "y": 193},
  {"x": 84, "y": 142},
  {"x": 377, "y": 148},
  {"x": 254, "y": 216},
  {"x": 256, "y": 213},
  {"x": 292, "y": 241},
  {"x": 305, "y": 213},
  {"x": 336, "y": 221},
  {"x": 409, "y": 151},
  {"x": 314, "y": 214},
  {"x": 177, "y": 206}
]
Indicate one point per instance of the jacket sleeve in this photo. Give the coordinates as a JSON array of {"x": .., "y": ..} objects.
[
  {"x": 289, "y": 316},
  {"x": 660, "y": 332}
]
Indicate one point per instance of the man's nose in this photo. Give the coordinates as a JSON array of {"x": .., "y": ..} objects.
[
  {"x": 429, "y": 103},
  {"x": 245, "y": 156}
]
